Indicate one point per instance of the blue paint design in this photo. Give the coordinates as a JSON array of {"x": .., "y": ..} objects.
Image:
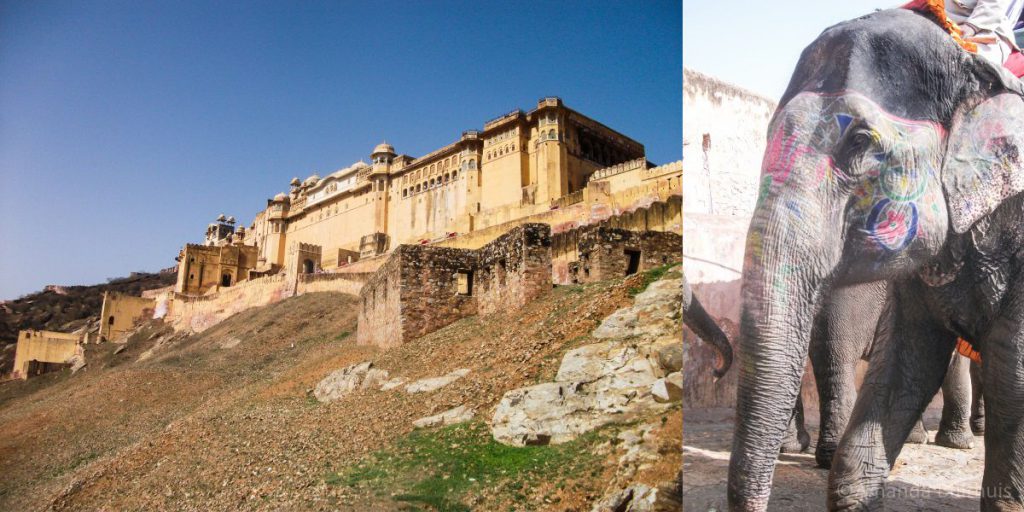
[
  {"x": 893, "y": 225},
  {"x": 843, "y": 120}
]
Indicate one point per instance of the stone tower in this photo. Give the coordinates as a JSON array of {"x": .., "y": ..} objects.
[{"x": 383, "y": 155}]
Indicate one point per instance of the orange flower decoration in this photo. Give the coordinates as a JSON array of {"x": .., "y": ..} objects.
[{"x": 937, "y": 9}]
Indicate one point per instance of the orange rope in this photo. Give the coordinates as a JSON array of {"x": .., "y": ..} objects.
[
  {"x": 965, "y": 349},
  {"x": 937, "y": 9}
]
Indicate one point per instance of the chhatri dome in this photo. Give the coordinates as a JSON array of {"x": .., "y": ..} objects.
[{"x": 384, "y": 147}]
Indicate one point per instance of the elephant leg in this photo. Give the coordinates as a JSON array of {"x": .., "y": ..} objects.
[
  {"x": 977, "y": 401},
  {"x": 906, "y": 369},
  {"x": 1003, "y": 480},
  {"x": 954, "y": 429},
  {"x": 919, "y": 434},
  {"x": 842, "y": 333},
  {"x": 834, "y": 377},
  {"x": 797, "y": 439}
]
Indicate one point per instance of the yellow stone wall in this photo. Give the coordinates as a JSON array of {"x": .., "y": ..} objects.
[
  {"x": 120, "y": 313},
  {"x": 44, "y": 347}
]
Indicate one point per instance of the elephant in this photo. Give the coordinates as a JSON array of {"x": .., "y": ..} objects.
[
  {"x": 700, "y": 322},
  {"x": 893, "y": 155},
  {"x": 843, "y": 333}
]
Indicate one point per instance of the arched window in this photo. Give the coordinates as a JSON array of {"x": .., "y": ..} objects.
[
  {"x": 307, "y": 266},
  {"x": 551, "y": 135},
  {"x": 110, "y": 321},
  {"x": 225, "y": 280}
]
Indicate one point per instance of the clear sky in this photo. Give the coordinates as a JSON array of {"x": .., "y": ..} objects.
[
  {"x": 126, "y": 127},
  {"x": 755, "y": 44}
]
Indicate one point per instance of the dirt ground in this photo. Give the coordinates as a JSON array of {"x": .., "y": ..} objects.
[
  {"x": 926, "y": 477},
  {"x": 224, "y": 420}
]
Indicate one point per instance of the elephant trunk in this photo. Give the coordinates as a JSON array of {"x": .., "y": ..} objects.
[
  {"x": 701, "y": 323},
  {"x": 782, "y": 280}
]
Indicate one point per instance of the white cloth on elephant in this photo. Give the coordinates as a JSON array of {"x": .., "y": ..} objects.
[{"x": 988, "y": 18}]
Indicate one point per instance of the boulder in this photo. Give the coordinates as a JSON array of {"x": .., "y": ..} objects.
[
  {"x": 668, "y": 352},
  {"x": 435, "y": 383},
  {"x": 669, "y": 388},
  {"x": 606, "y": 382},
  {"x": 341, "y": 382},
  {"x": 459, "y": 414},
  {"x": 374, "y": 379}
]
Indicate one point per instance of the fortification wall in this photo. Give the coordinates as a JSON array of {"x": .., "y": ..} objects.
[
  {"x": 513, "y": 269},
  {"x": 380, "y": 308},
  {"x": 199, "y": 313},
  {"x": 45, "y": 347},
  {"x": 607, "y": 252},
  {"x": 120, "y": 314},
  {"x": 349, "y": 282}
]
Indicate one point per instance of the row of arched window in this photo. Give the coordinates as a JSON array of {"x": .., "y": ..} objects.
[
  {"x": 431, "y": 183},
  {"x": 502, "y": 151}
]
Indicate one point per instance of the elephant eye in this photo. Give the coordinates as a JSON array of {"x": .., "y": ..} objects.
[{"x": 852, "y": 148}]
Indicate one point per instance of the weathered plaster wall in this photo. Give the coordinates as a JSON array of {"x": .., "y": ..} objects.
[
  {"x": 724, "y": 133},
  {"x": 43, "y": 347}
]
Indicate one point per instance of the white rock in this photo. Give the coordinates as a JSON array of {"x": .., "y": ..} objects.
[
  {"x": 341, "y": 382},
  {"x": 668, "y": 389},
  {"x": 435, "y": 383},
  {"x": 392, "y": 384},
  {"x": 374, "y": 378},
  {"x": 459, "y": 414}
]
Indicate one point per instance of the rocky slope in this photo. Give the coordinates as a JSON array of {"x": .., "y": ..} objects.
[{"x": 277, "y": 408}]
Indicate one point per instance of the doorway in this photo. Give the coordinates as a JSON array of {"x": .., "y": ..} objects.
[{"x": 633, "y": 265}]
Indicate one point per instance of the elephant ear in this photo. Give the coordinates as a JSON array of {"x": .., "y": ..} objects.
[{"x": 984, "y": 163}]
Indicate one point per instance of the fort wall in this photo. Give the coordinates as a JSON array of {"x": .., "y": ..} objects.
[
  {"x": 424, "y": 288},
  {"x": 120, "y": 314},
  {"x": 40, "y": 351},
  {"x": 513, "y": 269},
  {"x": 609, "y": 252}
]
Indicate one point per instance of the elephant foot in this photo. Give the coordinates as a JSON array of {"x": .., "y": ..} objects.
[
  {"x": 954, "y": 439},
  {"x": 824, "y": 452},
  {"x": 919, "y": 435},
  {"x": 978, "y": 426},
  {"x": 796, "y": 443}
]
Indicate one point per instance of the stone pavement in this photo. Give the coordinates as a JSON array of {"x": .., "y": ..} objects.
[{"x": 926, "y": 477}]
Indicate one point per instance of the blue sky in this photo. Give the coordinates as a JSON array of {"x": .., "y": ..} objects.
[
  {"x": 755, "y": 44},
  {"x": 126, "y": 127}
]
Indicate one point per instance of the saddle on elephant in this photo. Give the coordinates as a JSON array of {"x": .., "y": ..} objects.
[{"x": 936, "y": 10}]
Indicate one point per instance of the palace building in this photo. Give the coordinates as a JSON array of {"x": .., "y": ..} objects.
[{"x": 518, "y": 165}]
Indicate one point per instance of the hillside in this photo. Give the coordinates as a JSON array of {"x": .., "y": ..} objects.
[
  {"x": 226, "y": 419},
  {"x": 65, "y": 308}
]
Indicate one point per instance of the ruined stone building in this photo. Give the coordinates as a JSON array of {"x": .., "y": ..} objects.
[{"x": 518, "y": 165}]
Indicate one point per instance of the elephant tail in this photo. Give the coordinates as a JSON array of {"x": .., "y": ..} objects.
[{"x": 701, "y": 323}]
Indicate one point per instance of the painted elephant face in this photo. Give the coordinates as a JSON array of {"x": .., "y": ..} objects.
[{"x": 843, "y": 153}]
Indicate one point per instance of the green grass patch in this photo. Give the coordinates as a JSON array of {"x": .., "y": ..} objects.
[
  {"x": 652, "y": 275},
  {"x": 440, "y": 468},
  {"x": 342, "y": 335}
]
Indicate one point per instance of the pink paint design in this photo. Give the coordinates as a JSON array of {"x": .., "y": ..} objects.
[{"x": 782, "y": 154}]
